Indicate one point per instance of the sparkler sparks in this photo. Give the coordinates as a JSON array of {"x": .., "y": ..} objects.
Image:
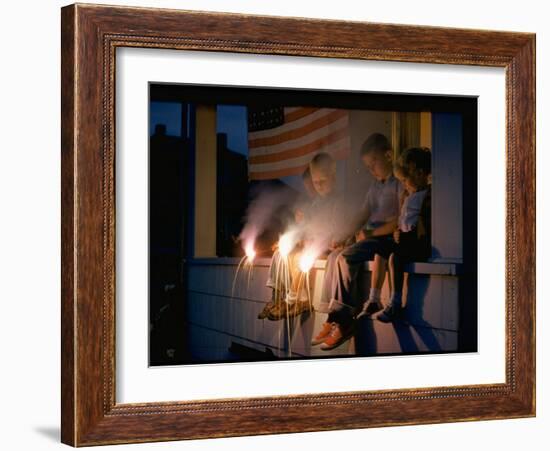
[
  {"x": 248, "y": 262},
  {"x": 291, "y": 276},
  {"x": 286, "y": 243},
  {"x": 250, "y": 252},
  {"x": 306, "y": 261}
]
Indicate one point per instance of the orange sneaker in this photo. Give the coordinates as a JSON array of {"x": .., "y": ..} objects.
[
  {"x": 337, "y": 336},
  {"x": 326, "y": 329}
]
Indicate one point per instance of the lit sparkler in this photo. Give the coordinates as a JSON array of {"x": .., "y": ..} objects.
[
  {"x": 248, "y": 262},
  {"x": 250, "y": 252},
  {"x": 286, "y": 243},
  {"x": 306, "y": 261}
]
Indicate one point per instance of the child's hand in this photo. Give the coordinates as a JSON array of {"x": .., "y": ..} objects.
[
  {"x": 275, "y": 246},
  {"x": 396, "y": 234},
  {"x": 360, "y": 235}
]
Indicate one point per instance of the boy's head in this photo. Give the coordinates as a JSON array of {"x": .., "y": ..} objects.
[
  {"x": 323, "y": 173},
  {"x": 413, "y": 168},
  {"x": 376, "y": 154},
  {"x": 308, "y": 183}
]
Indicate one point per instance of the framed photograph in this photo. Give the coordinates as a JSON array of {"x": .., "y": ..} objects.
[{"x": 268, "y": 222}]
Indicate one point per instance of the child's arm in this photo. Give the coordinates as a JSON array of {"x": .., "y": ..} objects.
[
  {"x": 385, "y": 229},
  {"x": 361, "y": 218},
  {"x": 396, "y": 235}
]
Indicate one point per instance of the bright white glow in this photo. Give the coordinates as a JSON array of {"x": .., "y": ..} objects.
[
  {"x": 286, "y": 243},
  {"x": 307, "y": 260},
  {"x": 250, "y": 252},
  {"x": 250, "y": 255}
]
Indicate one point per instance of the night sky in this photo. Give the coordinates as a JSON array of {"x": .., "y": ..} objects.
[{"x": 231, "y": 119}]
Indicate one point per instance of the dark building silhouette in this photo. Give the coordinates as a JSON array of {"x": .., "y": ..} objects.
[
  {"x": 231, "y": 198},
  {"x": 168, "y": 163}
]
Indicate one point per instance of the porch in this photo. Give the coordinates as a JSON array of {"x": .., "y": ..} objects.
[{"x": 223, "y": 324}]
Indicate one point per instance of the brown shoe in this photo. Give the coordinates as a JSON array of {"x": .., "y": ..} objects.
[
  {"x": 278, "y": 311},
  {"x": 323, "y": 334},
  {"x": 298, "y": 308},
  {"x": 267, "y": 308},
  {"x": 337, "y": 336},
  {"x": 282, "y": 309}
]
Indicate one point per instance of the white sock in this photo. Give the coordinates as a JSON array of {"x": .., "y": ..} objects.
[
  {"x": 291, "y": 297},
  {"x": 374, "y": 294},
  {"x": 396, "y": 299}
]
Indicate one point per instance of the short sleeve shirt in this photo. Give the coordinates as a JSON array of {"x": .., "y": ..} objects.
[
  {"x": 330, "y": 217},
  {"x": 410, "y": 210},
  {"x": 382, "y": 201}
]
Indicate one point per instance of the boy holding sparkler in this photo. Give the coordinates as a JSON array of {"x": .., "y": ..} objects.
[
  {"x": 375, "y": 224},
  {"x": 321, "y": 229},
  {"x": 285, "y": 252}
]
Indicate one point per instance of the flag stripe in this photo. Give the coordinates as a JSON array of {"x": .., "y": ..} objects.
[
  {"x": 289, "y": 135},
  {"x": 294, "y": 114},
  {"x": 288, "y": 148},
  {"x": 334, "y": 149},
  {"x": 340, "y": 124},
  {"x": 291, "y": 121},
  {"x": 295, "y": 170},
  {"x": 299, "y": 150}
]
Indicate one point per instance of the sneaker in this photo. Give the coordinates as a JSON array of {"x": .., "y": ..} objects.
[
  {"x": 326, "y": 329},
  {"x": 390, "y": 313},
  {"x": 370, "y": 307},
  {"x": 337, "y": 336}
]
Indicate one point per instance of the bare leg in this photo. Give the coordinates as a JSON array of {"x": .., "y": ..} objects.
[
  {"x": 379, "y": 272},
  {"x": 393, "y": 309},
  {"x": 396, "y": 274},
  {"x": 372, "y": 304}
]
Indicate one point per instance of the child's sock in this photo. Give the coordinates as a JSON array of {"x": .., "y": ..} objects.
[
  {"x": 374, "y": 294},
  {"x": 396, "y": 299},
  {"x": 291, "y": 297}
]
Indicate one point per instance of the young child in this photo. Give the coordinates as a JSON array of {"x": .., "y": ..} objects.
[
  {"x": 412, "y": 237},
  {"x": 376, "y": 223},
  {"x": 325, "y": 215},
  {"x": 278, "y": 284}
]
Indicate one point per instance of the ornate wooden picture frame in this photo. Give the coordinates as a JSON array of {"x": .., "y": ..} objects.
[{"x": 90, "y": 37}]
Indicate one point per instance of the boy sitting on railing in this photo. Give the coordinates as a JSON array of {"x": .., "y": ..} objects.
[
  {"x": 376, "y": 222},
  {"x": 412, "y": 237}
]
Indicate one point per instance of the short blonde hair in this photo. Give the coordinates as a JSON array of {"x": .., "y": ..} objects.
[{"x": 324, "y": 162}]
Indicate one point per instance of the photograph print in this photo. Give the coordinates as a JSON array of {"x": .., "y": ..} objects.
[{"x": 308, "y": 224}]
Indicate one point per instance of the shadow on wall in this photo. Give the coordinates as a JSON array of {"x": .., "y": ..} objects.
[{"x": 366, "y": 342}]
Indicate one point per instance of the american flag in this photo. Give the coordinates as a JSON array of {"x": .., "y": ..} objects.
[{"x": 282, "y": 141}]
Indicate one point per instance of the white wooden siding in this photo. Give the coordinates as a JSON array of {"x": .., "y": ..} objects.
[{"x": 217, "y": 319}]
